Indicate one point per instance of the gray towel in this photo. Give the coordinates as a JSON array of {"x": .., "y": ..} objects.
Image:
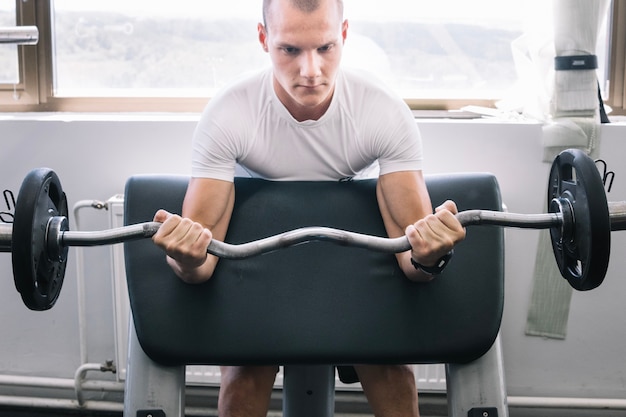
[{"x": 551, "y": 296}]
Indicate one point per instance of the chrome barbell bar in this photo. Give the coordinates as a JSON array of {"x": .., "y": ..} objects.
[{"x": 65, "y": 238}]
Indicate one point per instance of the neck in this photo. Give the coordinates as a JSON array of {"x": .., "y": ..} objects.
[{"x": 298, "y": 111}]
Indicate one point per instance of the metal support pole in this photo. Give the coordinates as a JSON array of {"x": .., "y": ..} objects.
[
  {"x": 151, "y": 389},
  {"x": 309, "y": 391},
  {"x": 479, "y": 386}
]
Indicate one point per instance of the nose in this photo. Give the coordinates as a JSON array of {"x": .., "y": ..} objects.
[{"x": 310, "y": 67}]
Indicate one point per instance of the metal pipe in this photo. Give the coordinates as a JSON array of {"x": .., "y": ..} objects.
[
  {"x": 513, "y": 402},
  {"x": 19, "y": 35},
  {"x": 79, "y": 377},
  {"x": 103, "y": 406},
  {"x": 80, "y": 278},
  {"x": 571, "y": 403},
  {"x": 54, "y": 403},
  {"x": 60, "y": 383},
  {"x": 36, "y": 381},
  {"x": 114, "y": 386}
]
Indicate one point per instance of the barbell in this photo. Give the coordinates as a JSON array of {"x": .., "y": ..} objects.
[{"x": 579, "y": 218}]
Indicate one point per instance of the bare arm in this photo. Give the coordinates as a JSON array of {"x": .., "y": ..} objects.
[
  {"x": 406, "y": 209},
  {"x": 207, "y": 210}
]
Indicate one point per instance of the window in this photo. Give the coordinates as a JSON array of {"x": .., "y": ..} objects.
[
  {"x": 140, "y": 49},
  {"x": 444, "y": 49},
  {"x": 151, "y": 49},
  {"x": 9, "y": 66},
  {"x": 616, "y": 95},
  {"x": 143, "y": 55},
  {"x": 18, "y": 64}
]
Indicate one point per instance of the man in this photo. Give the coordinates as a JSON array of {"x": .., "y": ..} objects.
[{"x": 306, "y": 119}]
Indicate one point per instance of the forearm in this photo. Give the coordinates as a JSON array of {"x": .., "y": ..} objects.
[
  {"x": 194, "y": 275},
  {"x": 209, "y": 202},
  {"x": 412, "y": 273},
  {"x": 406, "y": 209}
]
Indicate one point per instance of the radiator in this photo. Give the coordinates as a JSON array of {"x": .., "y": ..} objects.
[{"x": 429, "y": 378}]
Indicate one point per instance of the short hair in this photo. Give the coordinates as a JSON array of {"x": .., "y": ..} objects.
[{"x": 306, "y": 6}]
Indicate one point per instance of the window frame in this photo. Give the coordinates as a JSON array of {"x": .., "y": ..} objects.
[
  {"x": 35, "y": 89},
  {"x": 26, "y": 90},
  {"x": 617, "y": 62}
]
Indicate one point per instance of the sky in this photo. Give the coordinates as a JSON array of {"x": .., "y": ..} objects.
[
  {"x": 413, "y": 10},
  {"x": 509, "y": 14}
]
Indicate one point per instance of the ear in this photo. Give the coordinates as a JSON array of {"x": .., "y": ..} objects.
[
  {"x": 262, "y": 36},
  {"x": 344, "y": 30}
]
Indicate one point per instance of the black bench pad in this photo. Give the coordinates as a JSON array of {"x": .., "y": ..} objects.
[{"x": 316, "y": 303}]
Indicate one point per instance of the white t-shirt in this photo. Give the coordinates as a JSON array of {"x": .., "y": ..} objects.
[{"x": 246, "y": 124}]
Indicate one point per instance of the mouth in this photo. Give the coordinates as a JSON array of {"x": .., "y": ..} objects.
[{"x": 309, "y": 87}]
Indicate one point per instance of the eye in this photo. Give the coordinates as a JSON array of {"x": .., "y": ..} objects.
[
  {"x": 290, "y": 50},
  {"x": 325, "y": 48}
]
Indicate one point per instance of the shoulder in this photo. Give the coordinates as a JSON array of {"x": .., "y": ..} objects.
[
  {"x": 363, "y": 82},
  {"x": 368, "y": 99},
  {"x": 238, "y": 101},
  {"x": 243, "y": 88},
  {"x": 362, "y": 91}
]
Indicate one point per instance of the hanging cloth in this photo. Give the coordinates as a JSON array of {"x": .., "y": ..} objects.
[
  {"x": 575, "y": 105},
  {"x": 573, "y": 122}
]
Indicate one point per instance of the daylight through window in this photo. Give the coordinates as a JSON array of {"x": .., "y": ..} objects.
[{"x": 143, "y": 48}]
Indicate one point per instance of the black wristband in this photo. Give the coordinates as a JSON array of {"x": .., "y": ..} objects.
[
  {"x": 576, "y": 62},
  {"x": 437, "y": 268}
]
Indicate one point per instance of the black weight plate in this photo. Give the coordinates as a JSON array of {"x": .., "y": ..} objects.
[
  {"x": 37, "y": 277},
  {"x": 583, "y": 257}
]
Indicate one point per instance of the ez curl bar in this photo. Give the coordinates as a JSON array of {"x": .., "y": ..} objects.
[{"x": 579, "y": 218}]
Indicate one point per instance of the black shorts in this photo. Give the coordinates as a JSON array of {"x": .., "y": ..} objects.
[{"x": 347, "y": 374}]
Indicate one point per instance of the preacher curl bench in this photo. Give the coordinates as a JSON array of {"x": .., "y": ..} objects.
[{"x": 315, "y": 304}]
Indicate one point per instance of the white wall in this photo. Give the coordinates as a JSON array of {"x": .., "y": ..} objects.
[{"x": 94, "y": 155}]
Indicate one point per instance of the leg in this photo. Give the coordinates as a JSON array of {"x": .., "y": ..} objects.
[
  {"x": 390, "y": 389},
  {"x": 245, "y": 390}
]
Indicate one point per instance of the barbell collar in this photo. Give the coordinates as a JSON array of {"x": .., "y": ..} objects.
[
  {"x": 56, "y": 226},
  {"x": 617, "y": 215},
  {"x": 6, "y": 232}
]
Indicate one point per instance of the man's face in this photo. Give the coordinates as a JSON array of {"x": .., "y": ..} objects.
[{"x": 305, "y": 49}]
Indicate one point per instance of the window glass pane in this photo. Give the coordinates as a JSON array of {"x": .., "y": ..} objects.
[
  {"x": 438, "y": 49},
  {"x": 424, "y": 49},
  {"x": 148, "y": 48},
  {"x": 9, "y": 67}
]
